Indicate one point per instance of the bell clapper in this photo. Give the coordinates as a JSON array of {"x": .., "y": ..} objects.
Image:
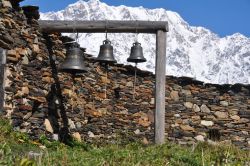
[{"x": 134, "y": 91}]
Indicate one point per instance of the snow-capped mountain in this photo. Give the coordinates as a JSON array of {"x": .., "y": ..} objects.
[{"x": 191, "y": 51}]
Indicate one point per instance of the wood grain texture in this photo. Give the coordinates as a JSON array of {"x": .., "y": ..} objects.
[
  {"x": 112, "y": 26},
  {"x": 2, "y": 71},
  {"x": 160, "y": 70}
]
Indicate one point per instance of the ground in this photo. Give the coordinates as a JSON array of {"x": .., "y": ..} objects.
[{"x": 17, "y": 149}]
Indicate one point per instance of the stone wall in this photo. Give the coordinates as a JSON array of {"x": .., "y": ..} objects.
[{"x": 41, "y": 101}]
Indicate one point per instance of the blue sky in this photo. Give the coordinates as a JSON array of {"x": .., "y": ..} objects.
[{"x": 223, "y": 17}]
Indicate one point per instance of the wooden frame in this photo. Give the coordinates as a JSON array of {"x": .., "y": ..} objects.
[
  {"x": 152, "y": 27},
  {"x": 2, "y": 71}
]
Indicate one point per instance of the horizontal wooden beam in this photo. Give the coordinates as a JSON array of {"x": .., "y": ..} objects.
[{"x": 111, "y": 26}]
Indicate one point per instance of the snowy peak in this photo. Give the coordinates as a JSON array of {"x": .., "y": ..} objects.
[{"x": 191, "y": 51}]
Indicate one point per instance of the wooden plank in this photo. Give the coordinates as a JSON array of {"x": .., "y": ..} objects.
[
  {"x": 2, "y": 70},
  {"x": 112, "y": 26},
  {"x": 160, "y": 70}
]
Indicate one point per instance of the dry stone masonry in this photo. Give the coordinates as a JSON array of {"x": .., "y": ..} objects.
[{"x": 38, "y": 106}]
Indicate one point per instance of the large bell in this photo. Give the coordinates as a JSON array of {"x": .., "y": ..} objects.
[
  {"x": 106, "y": 53},
  {"x": 74, "y": 62},
  {"x": 136, "y": 54}
]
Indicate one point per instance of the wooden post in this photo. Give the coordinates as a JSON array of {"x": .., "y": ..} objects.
[
  {"x": 2, "y": 71},
  {"x": 160, "y": 70}
]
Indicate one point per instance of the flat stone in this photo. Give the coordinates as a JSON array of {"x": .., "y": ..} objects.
[
  {"x": 174, "y": 95},
  {"x": 71, "y": 124},
  {"x": 186, "y": 128},
  {"x": 188, "y": 105},
  {"x": 48, "y": 126},
  {"x": 200, "y": 138},
  {"x": 27, "y": 116},
  {"x": 224, "y": 103},
  {"x": 6, "y": 4},
  {"x": 130, "y": 84},
  {"x": 152, "y": 101},
  {"x": 78, "y": 125},
  {"x": 205, "y": 109},
  {"x": 77, "y": 136},
  {"x": 196, "y": 108},
  {"x": 137, "y": 131},
  {"x": 177, "y": 115},
  {"x": 207, "y": 123},
  {"x": 55, "y": 137},
  {"x": 25, "y": 60},
  {"x": 91, "y": 134},
  {"x": 221, "y": 115},
  {"x": 186, "y": 92},
  {"x": 25, "y": 90}
]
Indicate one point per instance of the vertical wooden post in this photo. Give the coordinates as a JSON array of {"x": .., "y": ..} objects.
[
  {"x": 2, "y": 71},
  {"x": 160, "y": 70}
]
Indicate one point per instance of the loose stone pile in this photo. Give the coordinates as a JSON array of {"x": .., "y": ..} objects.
[{"x": 194, "y": 111}]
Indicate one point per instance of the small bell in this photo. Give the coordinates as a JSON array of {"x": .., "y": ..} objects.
[
  {"x": 136, "y": 54},
  {"x": 74, "y": 62},
  {"x": 106, "y": 53}
]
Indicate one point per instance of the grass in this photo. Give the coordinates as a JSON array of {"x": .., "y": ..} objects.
[{"x": 17, "y": 149}]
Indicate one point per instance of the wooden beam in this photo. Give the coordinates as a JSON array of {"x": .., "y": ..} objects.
[
  {"x": 160, "y": 70},
  {"x": 112, "y": 26},
  {"x": 2, "y": 71}
]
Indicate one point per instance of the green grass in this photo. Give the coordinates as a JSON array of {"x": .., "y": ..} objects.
[{"x": 15, "y": 149}]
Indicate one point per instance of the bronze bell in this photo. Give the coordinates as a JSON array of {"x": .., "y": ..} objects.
[
  {"x": 136, "y": 54},
  {"x": 106, "y": 53},
  {"x": 74, "y": 62}
]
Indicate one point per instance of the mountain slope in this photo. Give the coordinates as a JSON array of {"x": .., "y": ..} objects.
[{"x": 191, "y": 51}]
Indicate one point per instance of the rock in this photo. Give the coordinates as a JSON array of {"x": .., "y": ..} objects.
[
  {"x": 174, "y": 95},
  {"x": 200, "y": 138},
  {"x": 221, "y": 115},
  {"x": 77, "y": 136},
  {"x": 152, "y": 101},
  {"x": 186, "y": 92},
  {"x": 27, "y": 116},
  {"x": 48, "y": 126},
  {"x": 91, "y": 135},
  {"x": 25, "y": 60},
  {"x": 6, "y": 4},
  {"x": 105, "y": 80},
  {"x": 78, "y": 125},
  {"x": 25, "y": 90},
  {"x": 186, "y": 128},
  {"x": 71, "y": 124},
  {"x": 13, "y": 56},
  {"x": 188, "y": 105},
  {"x": 235, "y": 117},
  {"x": 55, "y": 137},
  {"x": 36, "y": 48},
  {"x": 130, "y": 84},
  {"x": 137, "y": 131},
  {"x": 207, "y": 123},
  {"x": 145, "y": 141},
  {"x": 205, "y": 109},
  {"x": 177, "y": 115},
  {"x": 196, "y": 108},
  {"x": 224, "y": 103}
]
